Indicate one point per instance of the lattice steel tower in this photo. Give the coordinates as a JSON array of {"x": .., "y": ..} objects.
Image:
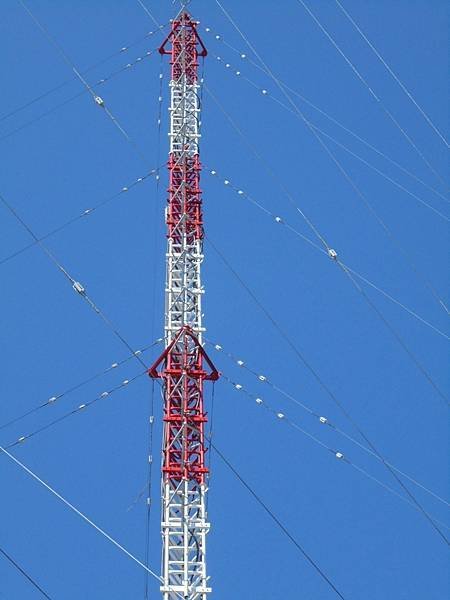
[{"x": 184, "y": 365}]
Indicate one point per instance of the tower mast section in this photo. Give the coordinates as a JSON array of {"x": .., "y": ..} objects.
[{"x": 184, "y": 365}]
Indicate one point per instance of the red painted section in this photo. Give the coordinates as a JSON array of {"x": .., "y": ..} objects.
[
  {"x": 184, "y": 199},
  {"x": 185, "y": 366},
  {"x": 190, "y": 41},
  {"x": 184, "y": 170}
]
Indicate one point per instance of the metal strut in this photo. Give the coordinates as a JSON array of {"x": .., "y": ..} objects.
[{"x": 184, "y": 364}]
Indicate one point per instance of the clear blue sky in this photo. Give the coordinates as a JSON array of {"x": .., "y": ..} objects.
[{"x": 370, "y": 543}]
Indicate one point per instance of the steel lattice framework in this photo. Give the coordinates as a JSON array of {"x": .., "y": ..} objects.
[{"x": 184, "y": 365}]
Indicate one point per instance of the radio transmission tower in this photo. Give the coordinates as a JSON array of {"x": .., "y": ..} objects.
[{"x": 184, "y": 365}]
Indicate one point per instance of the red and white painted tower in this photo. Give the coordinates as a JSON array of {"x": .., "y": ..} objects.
[{"x": 184, "y": 365}]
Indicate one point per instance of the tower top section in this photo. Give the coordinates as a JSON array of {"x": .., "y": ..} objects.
[{"x": 185, "y": 48}]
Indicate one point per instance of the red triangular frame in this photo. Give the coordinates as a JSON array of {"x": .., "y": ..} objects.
[
  {"x": 204, "y": 51},
  {"x": 153, "y": 370}
]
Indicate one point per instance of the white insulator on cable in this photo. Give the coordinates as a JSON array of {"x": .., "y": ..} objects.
[
  {"x": 323, "y": 420},
  {"x": 79, "y": 288},
  {"x": 104, "y": 394},
  {"x": 22, "y": 438},
  {"x": 99, "y": 100},
  {"x": 238, "y": 73},
  {"x": 124, "y": 189},
  {"x": 208, "y": 29},
  {"x": 87, "y": 211},
  {"x": 148, "y": 53},
  {"x": 280, "y": 415},
  {"x": 332, "y": 253},
  {"x": 123, "y": 49},
  {"x": 160, "y": 340},
  {"x": 226, "y": 182},
  {"x": 278, "y": 219},
  {"x": 218, "y": 347},
  {"x": 243, "y": 56},
  {"x": 339, "y": 455},
  {"x": 218, "y": 58},
  {"x": 128, "y": 66},
  {"x": 240, "y": 192},
  {"x": 238, "y": 386},
  {"x": 213, "y": 172},
  {"x": 262, "y": 377},
  {"x": 258, "y": 400},
  {"x": 136, "y": 352},
  {"x": 160, "y": 75},
  {"x": 264, "y": 92},
  {"x": 81, "y": 406},
  {"x": 217, "y": 37},
  {"x": 240, "y": 363},
  {"x": 151, "y": 419},
  {"x": 160, "y": 98},
  {"x": 139, "y": 179},
  {"x": 228, "y": 65},
  {"x": 125, "y": 381},
  {"x": 139, "y": 58},
  {"x": 114, "y": 365},
  {"x": 52, "y": 399}
]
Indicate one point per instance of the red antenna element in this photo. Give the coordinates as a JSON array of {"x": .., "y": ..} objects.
[
  {"x": 184, "y": 365},
  {"x": 183, "y": 360},
  {"x": 184, "y": 54}
]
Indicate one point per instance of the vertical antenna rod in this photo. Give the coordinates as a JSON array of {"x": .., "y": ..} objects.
[{"x": 184, "y": 365}]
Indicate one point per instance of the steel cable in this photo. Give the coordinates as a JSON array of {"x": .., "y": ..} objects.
[
  {"x": 324, "y": 386},
  {"x": 24, "y": 573},
  {"x": 279, "y": 220},
  {"x": 385, "y": 176},
  {"x": 53, "y": 399},
  {"x": 244, "y": 57},
  {"x": 324, "y": 420},
  {"x": 76, "y": 285},
  {"x": 391, "y": 72},
  {"x": 83, "y": 516},
  {"x": 84, "y": 71},
  {"x": 281, "y": 416},
  {"x": 98, "y": 100},
  {"x": 372, "y": 93},
  {"x": 359, "y": 193},
  {"x": 277, "y": 521}
]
